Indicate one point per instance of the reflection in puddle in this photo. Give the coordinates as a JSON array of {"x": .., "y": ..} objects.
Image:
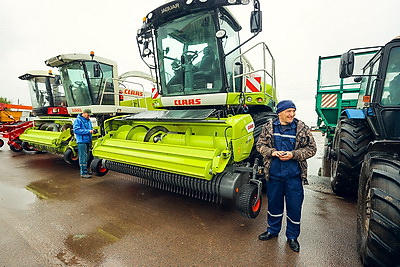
[
  {"x": 15, "y": 198},
  {"x": 46, "y": 189},
  {"x": 88, "y": 246}
]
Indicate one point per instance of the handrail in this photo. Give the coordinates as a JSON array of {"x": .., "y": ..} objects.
[
  {"x": 266, "y": 73},
  {"x": 114, "y": 94}
]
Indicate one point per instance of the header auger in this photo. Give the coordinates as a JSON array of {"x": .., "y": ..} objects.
[{"x": 211, "y": 101}]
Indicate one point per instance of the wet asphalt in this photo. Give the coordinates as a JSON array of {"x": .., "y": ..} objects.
[{"x": 49, "y": 216}]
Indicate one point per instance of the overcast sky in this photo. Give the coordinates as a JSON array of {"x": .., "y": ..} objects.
[{"x": 297, "y": 32}]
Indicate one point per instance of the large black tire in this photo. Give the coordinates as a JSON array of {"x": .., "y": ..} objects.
[
  {"x": 1, "y": 142},
  {"x": 26, "y": 146},
  {"x": 349, "y": 148},
  {"x": 97, "y": 168},
  {"x": 16, "y": 146},
  {"x": 246, "y": 201},
  {"x": 70, "y": 158},
  {"x": 378, "y": 218}
]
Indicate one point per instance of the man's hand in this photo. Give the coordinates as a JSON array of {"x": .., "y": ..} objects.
[{"x": 283, "y": 155}]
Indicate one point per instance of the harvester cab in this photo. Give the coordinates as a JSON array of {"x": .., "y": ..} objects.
[
  {"x": 47, "y": 98},
  {"x": 46, "y": 92},
  {"x": 88, "y": 82},
  {"x": 363, "y": 154},
  {"x": 92, "y": 82},
  {"x": 211, "y": 101},
  {"x": 194, "y": 48}
]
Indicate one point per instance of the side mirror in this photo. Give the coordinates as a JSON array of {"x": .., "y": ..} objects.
[
  {"x": 57, "y": 80},
  {"x": 96, "y": 70},
  {"x": 256, "y": 21},
  {"x": 238, "y": 71},
  {"x": 346, "y": 65}
]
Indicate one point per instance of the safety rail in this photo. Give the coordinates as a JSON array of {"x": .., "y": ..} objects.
[
  {"x": 121, "y": 82},
  {"x": 249, "y": 70}
]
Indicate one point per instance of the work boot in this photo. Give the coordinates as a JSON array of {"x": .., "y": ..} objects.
[
  {"x": 86, "y": 176},
  {"x": 267, "y": 236},
  {"x": 294, "y": 245}
]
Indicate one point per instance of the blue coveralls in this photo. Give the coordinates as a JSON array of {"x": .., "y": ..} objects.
[
  {"x": 285, "y": 184},
  {"x": 82, "y": 127}
]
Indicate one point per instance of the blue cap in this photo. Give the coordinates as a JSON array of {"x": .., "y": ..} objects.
[{"x": 284, "y": 105}]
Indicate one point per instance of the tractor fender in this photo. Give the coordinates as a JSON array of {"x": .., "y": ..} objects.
[
  {"x": 388, "y": 146},
  {"x": 231, "y": 182},
  {"x": 354, "y": 113}
]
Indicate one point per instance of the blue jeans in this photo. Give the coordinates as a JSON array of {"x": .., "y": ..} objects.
[
  {"x": 279, "y": 191},
  {"x": 83, "y": 153}
]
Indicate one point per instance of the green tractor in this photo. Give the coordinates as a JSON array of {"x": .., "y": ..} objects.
[
  {"x": 211, "y": 104},
  {"x": 334, "y": 96},
  {"x": 365, "y": 151},
  {"x": 88, "y": 82}
]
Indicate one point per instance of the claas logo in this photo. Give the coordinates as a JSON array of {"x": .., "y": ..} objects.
[
  {"x": 133, "y": 92},
  {"x": 250, "y": 127},
  {"x": 187, "y": 102}
]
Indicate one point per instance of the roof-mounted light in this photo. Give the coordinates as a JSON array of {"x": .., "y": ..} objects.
[
  {"x": 150, "y": 16},
  {"x": 203, "y": 1},
  {"x": 188, "y": 2},
  {"x": 50, "y": 72},
  {"x": 245, "y": 2},
  {"x": 92, "y": 54},
  {"x": 231, "y": 2},
  {"x": 220, "y": 34},
  {"x": 146, "y": 52}
]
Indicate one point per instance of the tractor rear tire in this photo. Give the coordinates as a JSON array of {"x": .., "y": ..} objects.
[
  {"x": 1, "y": 142},
  {"x": 70, "y": 158},
  {"x": 17, "y": 147},
  {"x": 378, "y": 218},
  {"x": 349, "y": 146},
  {"x": 246, "y": 201},
  {"x": 97, "y": 168}
]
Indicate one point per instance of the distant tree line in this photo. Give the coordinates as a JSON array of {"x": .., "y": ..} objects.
[{"x": 4, "y": 100}]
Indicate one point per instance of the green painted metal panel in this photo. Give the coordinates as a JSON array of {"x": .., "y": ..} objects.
[
  {"x": 47, "y": 138},
  {"x": 198, "y": 149}
]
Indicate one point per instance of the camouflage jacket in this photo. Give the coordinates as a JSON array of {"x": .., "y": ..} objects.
[{"x": 305, "y": 146}]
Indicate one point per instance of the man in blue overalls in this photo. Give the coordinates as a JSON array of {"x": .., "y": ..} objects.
[
  {"x": 83, "y": 133},
  {"x": 285, "y": 143}
]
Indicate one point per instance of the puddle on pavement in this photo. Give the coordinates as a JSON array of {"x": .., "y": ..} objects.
[
  {"x": 88, "y": 246},
  {"x": 45, "y": 189},
  {"x": 16, "y": 198}
]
